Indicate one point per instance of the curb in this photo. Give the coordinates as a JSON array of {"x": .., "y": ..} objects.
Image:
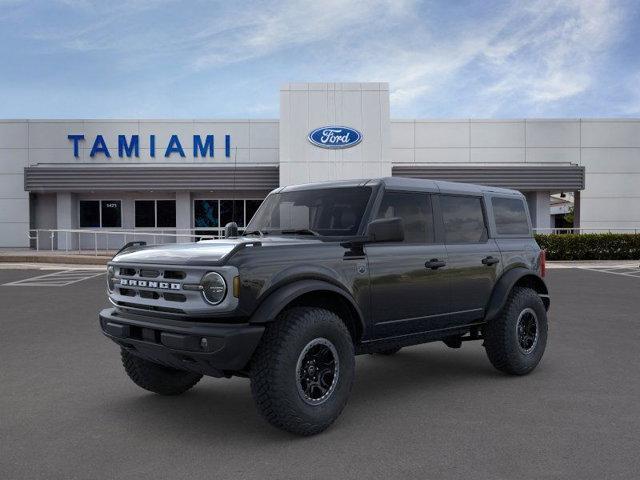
[{"x": 59, "y": 259}]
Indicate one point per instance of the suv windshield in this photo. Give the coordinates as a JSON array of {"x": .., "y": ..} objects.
[{"x": 334, "y": 212}]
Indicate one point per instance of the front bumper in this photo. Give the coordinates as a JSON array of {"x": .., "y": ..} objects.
[{"x": 209, "y": 349}]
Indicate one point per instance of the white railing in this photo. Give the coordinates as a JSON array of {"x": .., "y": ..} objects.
[
  {"x": 586, "y": 230},
  {"x": 105, "y": 241}
]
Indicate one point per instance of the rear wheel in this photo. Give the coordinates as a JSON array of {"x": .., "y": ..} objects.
[
  {"x": 157, "y": 378},
  {"x": 302, "y": 371},
  {"x": 515, "y": 341}
]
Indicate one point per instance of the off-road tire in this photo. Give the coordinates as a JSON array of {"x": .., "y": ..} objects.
[
  {"x": 389, "y": 351},
  {"x": 274, "y": 374},
  {"x": 501, "y": 339},
  {"x": 157, "y": 378}
]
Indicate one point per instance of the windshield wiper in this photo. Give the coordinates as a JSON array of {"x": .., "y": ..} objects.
[{"x": 300, "y": 231}]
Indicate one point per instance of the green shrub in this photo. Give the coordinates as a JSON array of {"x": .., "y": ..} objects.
[{"x": 591, "y": 246}]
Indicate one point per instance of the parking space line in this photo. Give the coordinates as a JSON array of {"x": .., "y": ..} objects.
[
  {"x": 56, "y": 279},
  {"x": 613, "y": 271}
]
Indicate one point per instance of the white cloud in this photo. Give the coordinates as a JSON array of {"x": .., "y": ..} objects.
[
  {"x": 543, "y": 52},
  {"x": 552, "y": 57},
  {"x": 287, "y": 24},
  {"x": 533, "y": 53}
]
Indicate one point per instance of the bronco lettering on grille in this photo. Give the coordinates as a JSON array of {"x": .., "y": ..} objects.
[{"x": 145, "y": 283}]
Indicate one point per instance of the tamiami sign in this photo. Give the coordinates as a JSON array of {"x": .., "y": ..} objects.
[{"x": 129, "y": 146}]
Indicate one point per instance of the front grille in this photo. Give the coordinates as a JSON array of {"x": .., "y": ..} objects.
[
  {"x": 149, "y": 294},
  {"x": 174, "y": 297},
  {"x": 153, "y": 295},
  {"x": 153, "y": 287},
  {"x": 152, "y": 273},
  {"x": 146, "y": 273},
  {"x": 174, "y": 274},
  {"x": 151, "y": 308}
]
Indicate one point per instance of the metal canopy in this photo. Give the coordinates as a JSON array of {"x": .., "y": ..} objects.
[
  {"x": 40, "y": 178},
  {"x": 554, "y": 178}
]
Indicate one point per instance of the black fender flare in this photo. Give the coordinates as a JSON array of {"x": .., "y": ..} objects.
[
  {"x": 273, "y": 304},
  {"x": 505, "y": 284}
]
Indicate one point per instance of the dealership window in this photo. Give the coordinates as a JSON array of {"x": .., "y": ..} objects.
[
  {"x": 206, "y": 214},
  {"x": 155, "y": 213},
  {"x": 217, "y": 213},
  {"x": 510, "y": 215},
  {"x": 165, "y": 213},
  {"x": 251, "y": 208},
  {"x": 463, "y": 219},
  {"x": 100, "y": 213},
  {"x": 232, "y": 211}
]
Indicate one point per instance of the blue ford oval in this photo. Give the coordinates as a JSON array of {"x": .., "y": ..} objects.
[{"x": 335, "y": 136}]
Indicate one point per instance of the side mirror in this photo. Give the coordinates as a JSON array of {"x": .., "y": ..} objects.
[
  {"x": 386, "y": 230},
  {"x": 231, "y": 230}
]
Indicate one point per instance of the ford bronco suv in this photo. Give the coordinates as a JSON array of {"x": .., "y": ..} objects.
[{"x": 325, "y": 272}]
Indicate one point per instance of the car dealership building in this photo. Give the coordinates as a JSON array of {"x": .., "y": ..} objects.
[{"x": 186, "y": 176}]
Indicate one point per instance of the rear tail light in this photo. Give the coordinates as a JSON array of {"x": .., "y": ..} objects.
[{"x": 543, "y": 262}]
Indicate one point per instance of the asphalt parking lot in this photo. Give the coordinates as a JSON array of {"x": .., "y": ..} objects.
[{"x": 67, "y": 410}]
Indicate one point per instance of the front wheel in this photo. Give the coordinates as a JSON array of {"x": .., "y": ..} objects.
[
  {"x": 515, "y": 341},
  {"x": 303, "y": 369}
]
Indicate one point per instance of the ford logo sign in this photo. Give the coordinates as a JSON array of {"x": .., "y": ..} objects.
[{"x": 335, "y": 137}]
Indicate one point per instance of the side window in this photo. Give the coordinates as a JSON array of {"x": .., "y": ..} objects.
[
  {"x": 463, "y": 219},
  {"x": 510, "y": 216},
  {"x": 415, "y": 211}
]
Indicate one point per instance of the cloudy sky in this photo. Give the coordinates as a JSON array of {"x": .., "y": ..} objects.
[{"x": 217, "y": 59}]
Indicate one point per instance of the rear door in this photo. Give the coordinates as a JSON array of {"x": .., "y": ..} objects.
[
  {"x": 407, "y": 296},
  {"x": 473, "y": 257}
]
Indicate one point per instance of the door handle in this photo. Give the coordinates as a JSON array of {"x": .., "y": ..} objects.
[
  {"x": 434, "y": 264},
  {"x": 488, "y": 261}
]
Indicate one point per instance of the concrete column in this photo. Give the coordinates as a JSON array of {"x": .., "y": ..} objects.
[
  {"x": 67, "y": 218},
  {"x": 539, "y": 209},
  {"x": 183, "y": 215}
]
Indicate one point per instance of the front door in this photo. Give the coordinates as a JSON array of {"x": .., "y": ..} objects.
[
  {"x": 473, "y": 258},
  {"x": 409, "y": 284}
]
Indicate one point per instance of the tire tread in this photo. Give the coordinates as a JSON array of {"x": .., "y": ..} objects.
[
  {"x": 157, "y": 378},
  {"x": 498, "y": 341},
  {"x": 269, "y": 392}
]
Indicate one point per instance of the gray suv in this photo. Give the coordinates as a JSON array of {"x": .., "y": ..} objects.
[{"x": 325, "y": 272}]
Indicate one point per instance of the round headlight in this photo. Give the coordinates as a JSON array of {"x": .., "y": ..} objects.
[
  {"x": 214, "y": 288},
  {"x": 111, "y": 273}
]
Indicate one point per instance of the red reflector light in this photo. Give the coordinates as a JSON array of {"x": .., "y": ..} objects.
[{"x": 543, "y": 262}]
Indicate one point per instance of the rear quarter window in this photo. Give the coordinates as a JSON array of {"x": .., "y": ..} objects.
[
  {"x": 463, "y": 219},
  {"x": 510, "y": 216}
]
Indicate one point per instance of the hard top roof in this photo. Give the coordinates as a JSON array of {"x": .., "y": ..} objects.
[{"x": 403, "y": 183}]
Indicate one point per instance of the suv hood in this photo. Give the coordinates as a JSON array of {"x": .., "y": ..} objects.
[{"x": 205, "y": 252}]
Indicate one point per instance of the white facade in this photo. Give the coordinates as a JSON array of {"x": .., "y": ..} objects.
[
  {"x": 608, "y": 149},
  {"x": 305, "y": 106}
]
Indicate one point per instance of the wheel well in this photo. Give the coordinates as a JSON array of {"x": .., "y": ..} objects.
[
  {"x": 335, "y": 303},
  {"x": 535, "y": 283}
]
